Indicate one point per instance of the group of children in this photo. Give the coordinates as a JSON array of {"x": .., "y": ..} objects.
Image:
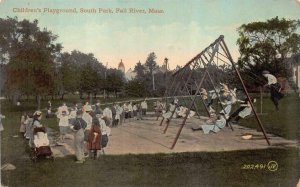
[
  {"x": 177, "y": 111},
  {"x": 228, "y": 97},
  {"x": 92, "y": 124},
  {"x": 135, "y": 110}
]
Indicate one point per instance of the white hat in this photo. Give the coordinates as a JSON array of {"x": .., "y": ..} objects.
[
  {"x": 37, "y": 113},
  {"x": 88, "y": 108}
]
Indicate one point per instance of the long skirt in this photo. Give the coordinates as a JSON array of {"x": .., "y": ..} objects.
[{"x": 79, "y": 144}]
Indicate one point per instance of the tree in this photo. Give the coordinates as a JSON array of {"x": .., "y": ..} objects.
[
  {"x": 151, "y": 66},
  {"x": 139, "y": 69},
  {"x": 88, "y": 81},
  {"x": 70, "y": 74},
  {"x": 265, "y": 45},
  {"x": 81, "y": 72},
  {"x": 150, "y": 63},
  {"x": 135, "y": 88},
  {"x": 30, "y": 54},
  {"x": 114, "y": 81}
]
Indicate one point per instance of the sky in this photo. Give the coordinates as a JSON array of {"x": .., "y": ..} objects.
[{"x": 183, "y": 30}]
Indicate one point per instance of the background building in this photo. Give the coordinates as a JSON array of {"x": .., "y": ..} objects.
[{"x": 121, "y": 66}]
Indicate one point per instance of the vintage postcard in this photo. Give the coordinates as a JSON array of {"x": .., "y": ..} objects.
[{"x": 150, "y": 93}]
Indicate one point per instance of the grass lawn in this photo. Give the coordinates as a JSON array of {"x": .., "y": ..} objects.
[
  {"x": 236, "y": 168},
  {"x": 185, "y": 169}
]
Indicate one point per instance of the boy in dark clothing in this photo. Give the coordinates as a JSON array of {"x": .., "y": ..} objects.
[{"x": 275, "y": 88}]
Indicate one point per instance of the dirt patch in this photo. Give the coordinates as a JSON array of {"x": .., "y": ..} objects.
[{"x": 146, "y": 137}]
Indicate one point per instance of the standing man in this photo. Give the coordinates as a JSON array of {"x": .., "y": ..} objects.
[
  {"x": 275, "y": 88},
  {"x": 107, "y": 113},
  {"x": 130, "y": 110},
  {"x": 144, "y": 107},
  {"x": 79, "y": 126}
]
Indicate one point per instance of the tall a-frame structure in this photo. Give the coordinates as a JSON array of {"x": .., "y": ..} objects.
[{"x": 204, "y": 66}]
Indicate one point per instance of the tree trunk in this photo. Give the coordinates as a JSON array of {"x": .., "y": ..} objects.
[
  {"x": 90, "y": 99},
  {"x": 15, "y": 99},
  {"x": 39, "y": 101}
]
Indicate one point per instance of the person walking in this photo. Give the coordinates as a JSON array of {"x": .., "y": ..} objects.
[{"x": 79, "y": 127}]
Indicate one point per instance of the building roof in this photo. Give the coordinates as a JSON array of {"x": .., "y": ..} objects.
[
  {"x": 130, "y": 74},
  {"x": 121, "y": 65}
]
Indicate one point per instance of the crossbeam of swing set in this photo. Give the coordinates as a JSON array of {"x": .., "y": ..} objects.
[{"x": 200, "y": 54}]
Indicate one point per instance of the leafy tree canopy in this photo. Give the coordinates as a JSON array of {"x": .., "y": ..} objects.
[
  {"x": 265, "y": 45},
  {"x": 30, "y": 55}
]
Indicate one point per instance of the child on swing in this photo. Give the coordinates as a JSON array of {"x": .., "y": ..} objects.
[{"x": 243, "y": 111}]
